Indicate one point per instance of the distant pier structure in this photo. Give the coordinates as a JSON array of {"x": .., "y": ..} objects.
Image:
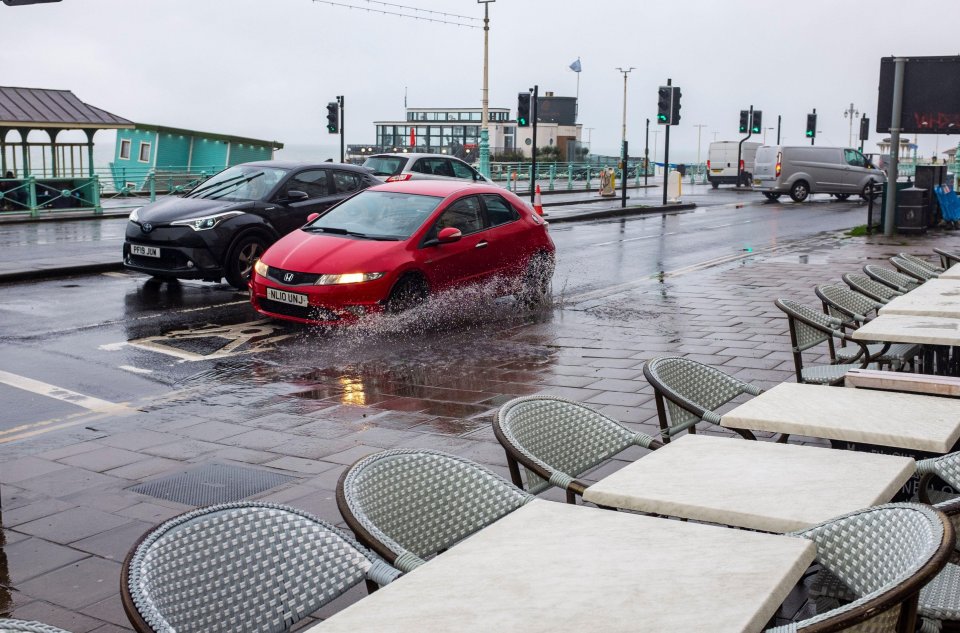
[{"x": 37, "y": 174}]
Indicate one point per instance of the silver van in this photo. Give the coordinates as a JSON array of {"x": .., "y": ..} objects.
[{"x": 805, "y": 169}]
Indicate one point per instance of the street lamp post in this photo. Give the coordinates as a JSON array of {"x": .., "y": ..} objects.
[
  {"x": 851, "y": 113},
  {"x": 623, "y": 135},
  {"x": 699, "y": 127},
  {"x": 484, "y": 125}
]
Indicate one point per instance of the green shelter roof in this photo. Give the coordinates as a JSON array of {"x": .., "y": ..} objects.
[{"x": 218, "y": 137}]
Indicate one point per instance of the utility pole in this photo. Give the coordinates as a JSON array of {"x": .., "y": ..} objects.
[
  {"x": 646, "y": 157},
  {"x": 850, "y": 113},
  {"x": 699, "y": 127},
  {"x": 666, "y": 155},
  {"x": 778, "y": 129},
  {"x": 534, "y": 113},
  {"x": 484, "y": 158},
  {"x": 342, "y": 120},
  {"x": 623, "y": 133},
  {"x": 893, "y": 165}
]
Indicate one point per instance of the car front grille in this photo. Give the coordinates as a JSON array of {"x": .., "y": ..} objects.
[
  {"x": 311, "y": 313},
  {"x": 291, "y": 277},
  {"x": 169, "y": 260}
]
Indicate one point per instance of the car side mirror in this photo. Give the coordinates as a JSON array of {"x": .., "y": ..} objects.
[
  {"x": 295, "y": 195},
  {"x": 449, "y": 235},
  {"x": 312, "y": 217}
]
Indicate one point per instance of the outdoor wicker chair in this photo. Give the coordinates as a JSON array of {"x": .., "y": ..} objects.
[
  {"x": 939, "y": 601},
  {"x": 687, "y": 392},
  {"x": 809, "y": 328},
  {"x": 898, "y": 281},
  {"x": 855, "y": 309},
  {"x": 23, "y": 626},
  {"x": 241, "y": 566},
  {"x": 558, "y": 440},
  {"x": 919, "y": 261},
  {"x": 912, "y": 269},
  {"x": 881, "y": 558},
  {"x": 947, "y": 258},
  {"x": 881, "y": 293},
  {"x": 936, "y": 475},
  {"x": 409, "y": 504}
]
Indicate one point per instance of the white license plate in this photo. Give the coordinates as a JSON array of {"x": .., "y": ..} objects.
[
  {"x": 146, "y": 251},
  {"x": 756, "y": 181},
  {"x": 293, "y": 298}
]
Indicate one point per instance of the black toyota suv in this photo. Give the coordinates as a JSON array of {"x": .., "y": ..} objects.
[{"x": 223, "y": 225}]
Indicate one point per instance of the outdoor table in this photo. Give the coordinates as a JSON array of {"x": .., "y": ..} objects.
[
  {"x": 951, "y": 273},
  {"x": 878, "y": 418},
  {"x": 757, "y": 485},
  {"x": 557, "y": 568},
  {"x": 936, "y": 334},
  {"x": 937, "y": 298},
  {"x": 946, "y": 386}
]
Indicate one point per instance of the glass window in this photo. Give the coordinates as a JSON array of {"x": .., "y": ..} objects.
[
  {"x": 125, "y": 149},
  {"x": 460, "y": 170},
  {"x": 499, "y": 211},
  {"x": 380, "y": 214},
  {"x": 855, "y": 158},
  {"x": 144, "y": 154},
  {"x": 242, "y": 182},
  {"x": 345, "y": 181},
  {"x": 464, "y": 214},
  {"x": 435, "y": 166},
  {"x": 313, "y": 182},
  {"x": 385, "y": 165}
]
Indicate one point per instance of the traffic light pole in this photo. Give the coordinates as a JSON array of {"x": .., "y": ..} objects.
[
  {"x": 814, "y": 137},
  {"x": 740, "y": 147},
  {"x": 778, "y": 129},
  {"x": 646, "y": 157},
  {"x": 893, "y": 166},
  {"x": 533, "y": 120},
  {"x": 666, "y": 155},
  {"x": 623, "y": 181},
  {"x": 342, "y": 117}
]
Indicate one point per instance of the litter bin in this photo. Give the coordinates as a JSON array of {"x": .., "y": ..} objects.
[
  {"x": 927, "y": 177},
  {"x": 913, "y": 210}
]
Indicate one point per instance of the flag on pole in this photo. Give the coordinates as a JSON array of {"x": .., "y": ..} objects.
[{"x": 575, "y": 66}]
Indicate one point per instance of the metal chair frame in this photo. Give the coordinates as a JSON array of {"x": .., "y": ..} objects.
[{"x": 795, "y": 319}]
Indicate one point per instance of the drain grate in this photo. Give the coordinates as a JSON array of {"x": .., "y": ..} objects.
[{"x": 211, "y": 484}]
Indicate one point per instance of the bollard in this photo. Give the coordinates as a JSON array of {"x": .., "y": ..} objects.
[
  {"x": 569, "y": 176},
  {"x": 588, "y": 177},
  {"x": 151, "y": 181},
  {"x": 32, "y": 195},
  {"x": 553, "y": 176},
  {"x": 95, "y": 195},
  {"x": 533, "y": 177}
]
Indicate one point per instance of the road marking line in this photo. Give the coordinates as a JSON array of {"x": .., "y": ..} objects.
[
  {"x": 135, "y": 370},
  {"x": 115, "y": 274},
  {"x": 59, "y": 393},
  {"x": 54, "y": 424}
]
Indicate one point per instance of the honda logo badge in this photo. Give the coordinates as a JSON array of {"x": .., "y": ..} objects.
[{"x": 288, "y": 277}]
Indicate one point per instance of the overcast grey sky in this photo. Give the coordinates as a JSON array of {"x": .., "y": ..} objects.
[{"x": 266, "y": 68}]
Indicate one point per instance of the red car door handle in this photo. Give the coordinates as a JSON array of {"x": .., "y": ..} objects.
[{"x": 482, "y": 244}]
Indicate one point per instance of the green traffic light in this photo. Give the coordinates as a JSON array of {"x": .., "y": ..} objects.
[
  {"x": 662, "y": 117},
  {"x": 809, "y": 133},
  {"x": 522, "y": 121}
]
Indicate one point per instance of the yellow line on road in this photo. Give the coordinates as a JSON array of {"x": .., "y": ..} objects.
[{"x": 59, "y": 393}]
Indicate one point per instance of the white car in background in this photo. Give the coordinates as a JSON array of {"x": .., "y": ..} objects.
[{"x": 403, "y": 166}]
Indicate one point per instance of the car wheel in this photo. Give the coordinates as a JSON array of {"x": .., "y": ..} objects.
[
  {"x": 409, "y": 292},
  {"x": 841, "y": 196},
  {"x": 243, "y": 255},
  {"x": 799, "y": 191},
  {"x": 769, "y": 195},
  {"x": 535, "y": 286},
  {"x": 714, "y": 184},
  {"x": 866, "y": 193}
]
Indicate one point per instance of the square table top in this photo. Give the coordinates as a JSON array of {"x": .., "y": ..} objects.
[
  {"x": 887, "y": 418},
  {"x": 937, "y": 297},
  {"x": 756, "y": 485},
  {"x": 903, "y": 328},
  {"x": 951, "y": 273},
  {"x": 558, "y": 568}
]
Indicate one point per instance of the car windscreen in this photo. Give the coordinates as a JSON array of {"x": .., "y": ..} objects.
[
  {"x": 377, "y": 214},
  {"x": 385, "y": 165},
  {"x": 241, "y": 182}
]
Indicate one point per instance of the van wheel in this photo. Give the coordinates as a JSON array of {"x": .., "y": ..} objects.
[
  {"x": 800, "y": 191},
  {"x": 866, "y": 195},
  {"x": 841, "y": 196},
  {"x": 714, "y": 184},
  {"x": 769, "y": 195}
]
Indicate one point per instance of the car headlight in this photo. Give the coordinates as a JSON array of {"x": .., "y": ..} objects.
[
  {"x": 207, "y": 221},
  {"x": 260, "y": 268},
  {"x": 135, "y": 215},
  {"x": 347, "y": 278}
]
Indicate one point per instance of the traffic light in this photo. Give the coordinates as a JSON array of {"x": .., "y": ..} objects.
[
  {"x": 864, "y": 129},
  {"x": 664, "y": 94},
  {"x": 744, "y": 121},
  {"x": 755, "y": 127},
  {"x": 811, "y": 125},
  {"x": 17, "y": 3},
  {"x": 523, "y": 109},
  {"x": 333, "y": 117},
  {"x": 675, "y": 107}
]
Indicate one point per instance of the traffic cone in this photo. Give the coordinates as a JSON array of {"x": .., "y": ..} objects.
[{"x": 537, "y": 202}]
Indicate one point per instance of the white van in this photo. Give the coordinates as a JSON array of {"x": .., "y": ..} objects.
[
  {"x": 805, "y": 169},
  {"x": 722, "y": 162}
]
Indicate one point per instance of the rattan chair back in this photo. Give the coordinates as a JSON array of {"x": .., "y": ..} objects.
[
  {"x": 947, "y": 258},
  {"x": 847, "y": 305},
  {"x": 244, "y": 566},
  {"x": 409, "y": 504},
  {"x": 24, "y": 626},
  {"x": 913, "y": 269},
  {"x": 558, "y": 440},
  {"x": 919, "y": 261},
  {"x": 809, "y": 328},
  {"x": 884, "y": 555},
  {"x": 898, "y": 281},
  {"x": 881, "y": 293},
  {"x": 687, "y": 392}
]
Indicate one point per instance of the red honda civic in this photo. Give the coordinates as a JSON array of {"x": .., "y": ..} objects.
[{"x": 388, "y": 247}]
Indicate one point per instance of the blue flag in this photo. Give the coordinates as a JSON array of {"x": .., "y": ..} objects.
[{"x": 575, "y": 66}]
